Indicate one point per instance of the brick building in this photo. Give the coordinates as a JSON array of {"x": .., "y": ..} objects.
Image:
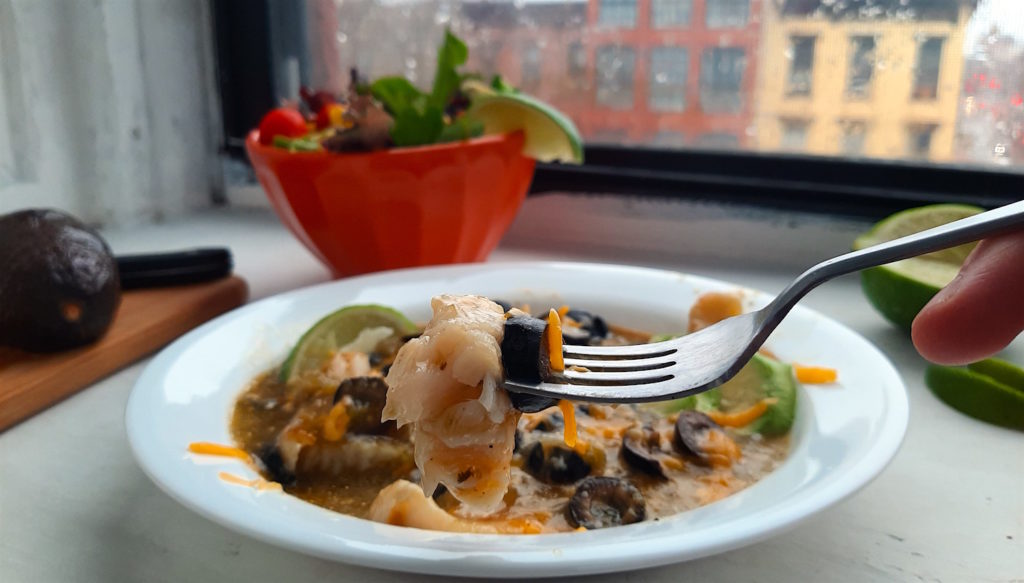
[{"x": 666, "y": 72}]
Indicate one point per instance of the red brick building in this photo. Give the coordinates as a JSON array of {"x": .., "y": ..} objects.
[{"x": 669, "y": 72}]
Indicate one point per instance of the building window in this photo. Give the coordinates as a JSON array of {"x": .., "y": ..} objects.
[
  {"x": 926, "y": 71},
  {"x": 801, "y": 68},
  {"x": 667, "y": 84},
  {"x": 530, "y": 80},
  {"x": 718, "y": 141},
  {"x": 619, "y": 13},
  {"x": 670, "y": 13},
  {"x": 919, "y": 141},
  {"x": 794, "y": 134},
  {"x": 609, "y": 136},
  {"x": 862, "y": 67},
  {"x": 614, "y": 66},
  {"x": 721, "y": 77},
  {"x": 727, "y": 13},
  {"x": 851, "y": 143},
  {"x": 669, "y": 139},
  {"x": 577, "y": 59}
]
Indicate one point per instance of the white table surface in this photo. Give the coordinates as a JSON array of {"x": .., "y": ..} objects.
[{"x": 75, "y": 507}]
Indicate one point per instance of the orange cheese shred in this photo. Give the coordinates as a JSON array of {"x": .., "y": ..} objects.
[
  {"x": 336, "y": 422},
  {"x": 554, "y": 332},
  {"x": 207, "y": 448},
  {"x": 742, "y": 417},
  {"x": 815, "y": 375},
  {"x": 569, "y": 433},
  {"x": 563, "y": 311}
]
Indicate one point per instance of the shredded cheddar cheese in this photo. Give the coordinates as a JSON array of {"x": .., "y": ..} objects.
[
  {"x": 554, "y": 332},
  {"x": 721, "y": 449},
  {"x": 257, "y": 483},
  {"x": 336, "y": 422},
  {"x": 569, "y": 416},
  {"x": 742, "y": 417},
  {"x": 563, "y": 311},
  {"x": 206, "y": 448},
  {"x": 815, "y": 375}
]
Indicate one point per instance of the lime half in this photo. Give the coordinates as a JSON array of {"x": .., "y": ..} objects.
[
  {"x": 899, "y": 290},
  {"x": 979, "y": 395},
  {"x": 550, "y": 135},
  {"x": 353, "y": 326}
]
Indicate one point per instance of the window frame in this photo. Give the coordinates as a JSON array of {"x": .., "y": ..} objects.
[{"x": 862, "y": 188}]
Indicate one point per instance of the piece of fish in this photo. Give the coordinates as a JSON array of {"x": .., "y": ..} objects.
[{"x": 446, "y": 386}]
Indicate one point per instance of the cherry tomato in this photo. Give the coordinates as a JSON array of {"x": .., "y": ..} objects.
[
  {"x": 330, "y": 115},
  {"x": 283, "y": 121}
]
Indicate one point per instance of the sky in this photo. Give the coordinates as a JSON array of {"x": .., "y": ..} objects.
[{"x": 1008, "y": 14}]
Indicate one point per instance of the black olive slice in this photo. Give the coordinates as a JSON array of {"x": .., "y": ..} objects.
[
  {"x": 603, "y": 501},
  {"x": 368, "y": 396},
  {"x": 638, "y": 451},
  {"x": 528, "y": 403},
  {"x": 522, "y": 348},
  {"x": 524, "y": 357},
  {"x": 270, "y": 457},
  {"x": 592, "y": 323},
  {"x": 691, "y": 432},
  {"x": 554, "y": 464}
]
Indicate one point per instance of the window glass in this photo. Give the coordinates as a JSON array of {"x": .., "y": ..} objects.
[
  {"x": 615, "y": 76},
  {"x": 577, "y": 56},
  {"x": 617, "y": 13},
  {"x": 670, "y": 13},
  {"x": 667, "y": 86},
  {"x": 801, "y": 70},
  {"x": 854, "y": 134},
  {"x": 919, "y": 140},
  {"x": 530, "y": 79},
  {"x": 926, "y": 71},
  {"x": 615, "y": 67},
  {"x": 862, "y": 67},
  {"x": 727, "y": 13},
  {"x": 794, "y": 134},
  {"x": 717, "y": 141},
  {"x": 721, "y": 79}
]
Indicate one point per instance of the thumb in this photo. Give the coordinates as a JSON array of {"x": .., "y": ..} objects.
[{"x": 979, "y": 312}]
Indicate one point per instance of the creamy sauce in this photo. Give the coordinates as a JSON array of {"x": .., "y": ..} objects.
[{"x": 267, "y": 406}]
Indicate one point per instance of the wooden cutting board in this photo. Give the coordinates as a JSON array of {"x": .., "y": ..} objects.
[{"x": 147, "y": 320}]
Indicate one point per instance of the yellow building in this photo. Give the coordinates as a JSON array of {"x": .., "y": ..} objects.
[{"x": 845, "y": 81}]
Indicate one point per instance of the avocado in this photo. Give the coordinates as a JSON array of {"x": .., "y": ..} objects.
[{"x": 59, "y": 286}]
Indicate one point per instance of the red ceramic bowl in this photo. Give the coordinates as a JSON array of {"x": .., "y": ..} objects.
[{"x": 402, "y": 207}]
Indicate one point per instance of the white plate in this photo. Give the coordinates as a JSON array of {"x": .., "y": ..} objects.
[{"x": 844, "y": 434}]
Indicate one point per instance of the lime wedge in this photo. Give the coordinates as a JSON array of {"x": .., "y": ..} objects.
[
  {"x": 1004, "y": 372},
  {"x": 899, "y": 290},
  {"x": 979, "y": 395},
  {"x": 354, "y": 327},
  {"x": 550, "y": 135}
]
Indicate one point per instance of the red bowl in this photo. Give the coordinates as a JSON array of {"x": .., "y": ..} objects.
[{"x": 403, "y": 207}]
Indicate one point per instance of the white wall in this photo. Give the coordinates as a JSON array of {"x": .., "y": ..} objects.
[{"x": 107, "y": 108}]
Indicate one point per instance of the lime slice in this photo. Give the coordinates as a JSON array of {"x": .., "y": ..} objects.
[
  {"x": 352, "y": 327},
  {"x": 1004, "y": 372},
  {"x": 978, "y": 395},
  {"x": 550, "y": 135},
  {"x": 899, "y": 290}
]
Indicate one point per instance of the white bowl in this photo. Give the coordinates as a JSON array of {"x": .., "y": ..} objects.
[{"x": 844, "y": 434}]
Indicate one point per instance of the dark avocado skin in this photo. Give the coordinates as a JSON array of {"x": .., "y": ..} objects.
[{"x": 59, "y": 286}]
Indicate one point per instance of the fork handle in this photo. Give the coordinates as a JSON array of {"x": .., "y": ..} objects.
[{"x": 994, "y": 222}]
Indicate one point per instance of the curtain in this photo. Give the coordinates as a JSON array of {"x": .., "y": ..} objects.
[{"x": 108, "y": 108}]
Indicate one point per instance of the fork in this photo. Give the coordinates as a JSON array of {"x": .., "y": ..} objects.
[{"x": 705, "y": 359}]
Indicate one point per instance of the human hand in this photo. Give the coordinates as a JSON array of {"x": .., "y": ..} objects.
[{"x": 981, "y": 311}]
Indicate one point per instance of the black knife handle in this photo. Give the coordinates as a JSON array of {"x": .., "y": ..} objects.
[{"x": 176, "y": 268}]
